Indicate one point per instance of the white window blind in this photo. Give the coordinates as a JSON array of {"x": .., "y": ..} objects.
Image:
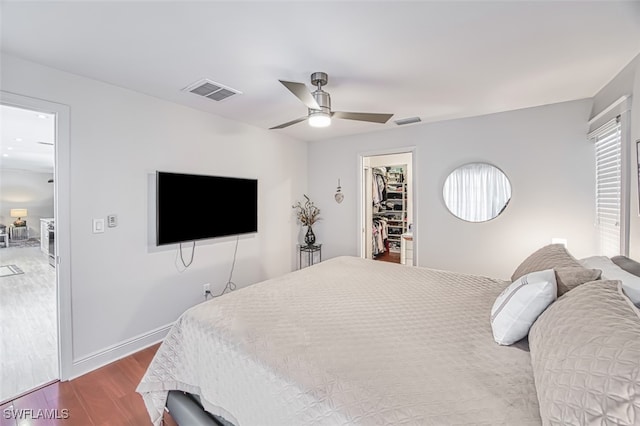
[{"x": 608, "y": 150}]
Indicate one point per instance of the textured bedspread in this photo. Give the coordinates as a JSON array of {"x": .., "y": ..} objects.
[{"x": 348, "y": 342}]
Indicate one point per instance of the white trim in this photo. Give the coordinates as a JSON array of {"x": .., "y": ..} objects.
[
  {"x": 360, "y": 195},
  {"x": 611, "y": 107},
  {"x": 603, "y": 128},
  {"x": 118, "y": 351},
  {"x": 625, "y": 182},
  {"x": 61, "y": 208}
]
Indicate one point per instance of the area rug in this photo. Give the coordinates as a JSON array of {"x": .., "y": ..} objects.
[
  {"x": 31, "y": 242},
  {"x": 9, "y": 270}
]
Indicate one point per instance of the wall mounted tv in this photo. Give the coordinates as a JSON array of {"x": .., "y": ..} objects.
[{"x": 196, "y": 207}]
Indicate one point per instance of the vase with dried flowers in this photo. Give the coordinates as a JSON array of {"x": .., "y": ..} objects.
[{"x": 307, "y": 215}]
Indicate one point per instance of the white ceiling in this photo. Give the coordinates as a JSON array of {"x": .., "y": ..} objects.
[
  {"x": 436, "y": 60},
  {"x": 26, "y": 140}
]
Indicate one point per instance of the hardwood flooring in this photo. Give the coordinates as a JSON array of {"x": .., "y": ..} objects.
[
  {"x": 28, "y": 322},
  {"x": 104, "y": 397},
  {"x": 389, "y": 257}
]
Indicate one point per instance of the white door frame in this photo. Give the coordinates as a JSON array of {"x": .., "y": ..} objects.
[
  {"x": 361, "y": 197},
  {"x": 61, "y": 186}
]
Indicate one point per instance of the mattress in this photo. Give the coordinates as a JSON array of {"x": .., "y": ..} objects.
[{"x": 348, "y": 341}]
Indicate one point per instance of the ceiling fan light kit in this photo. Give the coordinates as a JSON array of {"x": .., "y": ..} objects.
[
  {"x": 318, "y": 104},
  {"x": 319, "y": 119}
]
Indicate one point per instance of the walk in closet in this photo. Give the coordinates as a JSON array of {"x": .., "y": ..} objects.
[
  {"x": 387, "y": 205},
  {"x": 389, "y": 208}
]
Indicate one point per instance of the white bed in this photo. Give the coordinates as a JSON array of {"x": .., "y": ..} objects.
[{"x": 348, "y": 342}]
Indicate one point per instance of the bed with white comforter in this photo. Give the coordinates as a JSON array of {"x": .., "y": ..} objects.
[{"x": 348, "y": 341}]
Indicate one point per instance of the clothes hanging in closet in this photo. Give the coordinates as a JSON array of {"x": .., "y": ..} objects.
[
  {"x": 380, "y": 236},
  {"x": 379, "y": 185}
]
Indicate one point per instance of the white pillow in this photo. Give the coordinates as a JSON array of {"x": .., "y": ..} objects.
[
  {"x": 611, "y": 271},
  {"x": 520, "y": 304}
]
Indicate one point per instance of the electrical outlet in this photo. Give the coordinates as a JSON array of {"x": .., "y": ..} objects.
[{"x": 206, "y": 289}]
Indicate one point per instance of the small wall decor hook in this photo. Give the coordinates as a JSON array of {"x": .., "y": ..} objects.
[{"x": 339, "y": 195}]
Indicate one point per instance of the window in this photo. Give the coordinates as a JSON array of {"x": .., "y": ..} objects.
[{"x": 608, "y": 157}]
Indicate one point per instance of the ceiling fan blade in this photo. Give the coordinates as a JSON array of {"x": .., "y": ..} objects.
[
  {"x": 289, "y": 123},
  {"x": 302, "y": 93},
  {"x": 363, "y": 116}
]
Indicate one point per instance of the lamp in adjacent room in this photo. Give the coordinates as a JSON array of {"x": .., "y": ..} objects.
[{"x": 19, "y": 214}]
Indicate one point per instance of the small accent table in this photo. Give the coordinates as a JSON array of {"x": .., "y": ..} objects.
[
  {"x": 18, "y": 233},
  {"x": 310, "y": 250}
]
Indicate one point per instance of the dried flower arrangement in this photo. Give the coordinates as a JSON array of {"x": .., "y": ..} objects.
[{"x": 307, "y": 214}]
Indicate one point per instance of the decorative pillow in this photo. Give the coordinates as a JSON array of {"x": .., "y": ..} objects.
[
  {"x": 585, "y": 355},
  {"x": 548, "y": 257},
  {"x": 518, "y": 306},
  {"x": 570, "y": 277},
  {"x": 629, "y": 265},
  {"x": 611, "y": 271}
]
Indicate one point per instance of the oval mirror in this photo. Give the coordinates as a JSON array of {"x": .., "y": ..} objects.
[{"x": 476, "y": 192}]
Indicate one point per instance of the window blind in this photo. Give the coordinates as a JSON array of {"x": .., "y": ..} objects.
[{"x": 608, "y": 157}]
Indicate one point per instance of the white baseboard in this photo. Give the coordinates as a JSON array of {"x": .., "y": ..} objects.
[{"x": 118, "y": 351}]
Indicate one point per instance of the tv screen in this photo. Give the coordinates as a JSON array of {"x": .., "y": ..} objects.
[{"x": 196, "y": 207}]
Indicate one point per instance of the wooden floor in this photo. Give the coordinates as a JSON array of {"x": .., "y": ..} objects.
[
  {"x": 388, "y": 256},
  {"x": 104, "y": 397}
]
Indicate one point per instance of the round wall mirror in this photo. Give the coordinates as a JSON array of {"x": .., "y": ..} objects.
[{"x": 476, "y": 192}]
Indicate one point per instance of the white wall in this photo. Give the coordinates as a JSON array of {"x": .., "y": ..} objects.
[
  {"x": 123, "y": 286},
  {"x": 626, "y": 83},
  {"x": 543, "y": 151},
  {"x": 620, "y": 85},
  {"x": 25, "y": 189}
]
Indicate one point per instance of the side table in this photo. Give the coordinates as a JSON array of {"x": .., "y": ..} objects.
[
  {"x": 310, "y": 251},
  {"x": 18, "y": 233}
]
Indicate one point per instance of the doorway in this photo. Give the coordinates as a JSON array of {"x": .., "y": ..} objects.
[
  {"x": 387, "y": 206},
  {"x": 33, "y": 303}
]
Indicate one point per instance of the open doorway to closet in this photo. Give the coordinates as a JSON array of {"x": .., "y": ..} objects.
[{"x": 387, "y": 207}]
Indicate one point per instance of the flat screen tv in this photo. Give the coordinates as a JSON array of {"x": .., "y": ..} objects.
[{"x": 196, "y": 207}]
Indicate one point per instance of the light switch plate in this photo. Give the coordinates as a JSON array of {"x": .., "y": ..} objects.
[
  {"x": 98, "y": 226},
  {"x": 112, "y": 220}
]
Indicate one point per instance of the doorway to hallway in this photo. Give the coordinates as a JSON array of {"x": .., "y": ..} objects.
[{"x": 29, "y": 336}]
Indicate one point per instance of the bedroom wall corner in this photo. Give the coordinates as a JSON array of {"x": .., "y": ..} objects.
[
  {"x": 125, "y": 289},
  {"x": 543, "y": 150}
]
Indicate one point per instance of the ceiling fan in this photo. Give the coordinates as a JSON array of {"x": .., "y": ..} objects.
[{"x": 319, "y": 104}]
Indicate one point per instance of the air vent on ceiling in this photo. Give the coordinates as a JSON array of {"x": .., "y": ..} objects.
[
  {"x": 211, "y": 89},
  {"x": 410, "y": 120}
]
